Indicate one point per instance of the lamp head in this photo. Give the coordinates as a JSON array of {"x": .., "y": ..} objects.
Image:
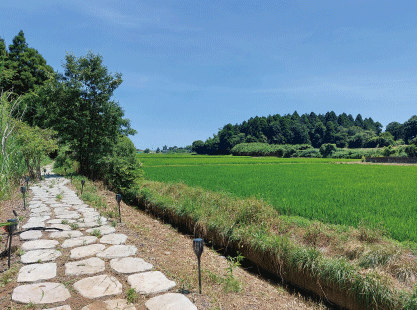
[
  {"x": 23, "y": 189},
  {"x": 82, "y": 182},
  {"x": 198, "y": 246},
  {"x": 11, "y": 228},
  {"x": 118, "y": 198}
]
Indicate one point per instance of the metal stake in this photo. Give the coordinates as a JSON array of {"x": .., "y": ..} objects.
[
  {"x": 198, "y": 246},
  {"x": 118, "y": 199}
]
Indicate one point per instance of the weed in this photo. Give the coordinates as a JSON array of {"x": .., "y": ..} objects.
[
  {"x": 20, "y": 252},
  {"x": 96, "y": 232},
  {"x": 113, "y": 223},
  {"x": 64, "y": 222},
  {"x": 59, "y": 196},
  {"x": 8, "y": 276},
  {"x": 74, "y": 225},
  {"x": 232, "y": 284},
  {"x": 131, "y": 296}
]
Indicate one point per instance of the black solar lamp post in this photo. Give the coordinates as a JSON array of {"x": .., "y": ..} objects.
[
  {"x": 71, "y": 177},
  {"x": 10, "y": 230},
  {"x": 198, "y": 246},
  {"x": 27, "y": 183},
  {"x": 65, "y": 171},
  {"x": 82, "y": 186},
  {"x": 23, "y": 190},
  {"x": 118, "y": 199}
]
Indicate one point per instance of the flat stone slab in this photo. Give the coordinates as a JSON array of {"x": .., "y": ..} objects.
[
  {"x": 68, "y": 216},
  {"x": 115, "y": 304},
  {"x": 151, "y": 282},
  {"x": 39, "y": 244},
  {"x": 88, "y": 266},
  {"x": 88, "y": 250},
  {"x": 33, "y": 224},
  {"x": 41, "y": 293},
  {"x": 170, "y": 301},
  {"x": 130, "y": 265},
  {"x": 66, "y": 307},
  {"x": 88, "y": 224},
  {"x": 118, "y": 251},
  {"x": 104, "y": 230},
  {"x": 98, "y": 286},
  {"x": 66, "y": 234},
  {"x": 61, "y": 226},
  {"x": 36, "y": 272},
  {"x": 114, "y": 239},
  {"x": 40, "y": 256},
  {"x": 84, "y": 240},
  {"x": 59, "y": 221},
  {"x": 31, "y": 235}
]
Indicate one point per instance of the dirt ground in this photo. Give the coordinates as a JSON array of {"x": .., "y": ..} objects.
[{"x": 170, "y": 252}]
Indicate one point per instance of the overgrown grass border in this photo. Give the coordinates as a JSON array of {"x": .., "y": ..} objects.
[{"x": 244, "y": 225}]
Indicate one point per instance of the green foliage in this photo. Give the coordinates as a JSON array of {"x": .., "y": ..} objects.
[
  {"x": 327, "y": 149},
  {"x": 35, "y": 143},
  {"x": 122, "y": 170},
  {"x": 78, "y": 105}
]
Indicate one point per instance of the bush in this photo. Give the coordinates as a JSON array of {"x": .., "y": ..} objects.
[{"x": 326, "y": 150}]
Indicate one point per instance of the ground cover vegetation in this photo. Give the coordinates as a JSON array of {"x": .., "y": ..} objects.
[{"x": 309, "y": 129}]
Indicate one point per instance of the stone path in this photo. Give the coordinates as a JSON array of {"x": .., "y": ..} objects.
[{"x": 88, "y": 258}]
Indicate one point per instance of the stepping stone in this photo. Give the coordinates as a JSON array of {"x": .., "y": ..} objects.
[
  {"x": 36, "y": 272},
  {"x": 39, "y": 244},
  {"x": 130, "y": 265},
  {"x": 88, "y": 266},
  {"x": 104, "y": 230},
  {"x": 39, "y": 256},
  {"x": 98, "y": 286},
  {"x": 66, "y": 234},
  {"x": 88, "y": 250},
  {"x": 31, "y": 235},
  {"x": 33, "y": 224},
  {"x": 114, "y": 239},
  {"x": 115, "y": 304},
  {"x": 118, "y": 251},
  {"x": 151, "y": 282},
  {"x": 61, "y": 226},
  {"x": 68, "y": 216},
  {"x": 66, "y": 307},
  {"x": 39, "y": 218},
  {"x": 59, "y": 221},
  {"x": 41, "y": 293},
  {"x": 88, "y": 224},
  {"x": 84, "y": 240},
  {"x": 171, "y": 301}
]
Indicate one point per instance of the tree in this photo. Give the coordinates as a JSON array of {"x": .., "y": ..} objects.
[
  {"x": 198, "y": 147},
  {"x": 28, "y": 67},
  {"x": 82, "y": 111},
  {"x": 396, "y": 129},
  {"x": 410, "y": 129}
]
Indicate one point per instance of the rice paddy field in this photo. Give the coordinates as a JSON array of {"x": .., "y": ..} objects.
[{"x": 348, "y": 194}]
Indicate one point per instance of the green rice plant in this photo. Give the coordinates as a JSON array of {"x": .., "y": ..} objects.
[
  {"x": 325, "y": 192},
  {"x": 231, "y": 283}
]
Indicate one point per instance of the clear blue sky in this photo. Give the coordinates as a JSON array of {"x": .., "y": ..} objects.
[{"x": 191, "y": 67}]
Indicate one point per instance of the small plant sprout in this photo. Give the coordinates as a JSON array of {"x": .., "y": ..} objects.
[
  {"x": 96, "y": 232},
  {"x": 64, "y": 222}
]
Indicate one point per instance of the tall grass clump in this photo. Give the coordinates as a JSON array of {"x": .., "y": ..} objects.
[{"x": 12, "y": 165}]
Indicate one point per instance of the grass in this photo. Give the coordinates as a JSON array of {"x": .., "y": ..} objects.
[
  {"x": 337, "y": 194},
  {"x": 8, "y": 275}
]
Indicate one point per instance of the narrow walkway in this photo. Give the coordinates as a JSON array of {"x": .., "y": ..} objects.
[{"x": 92, "y": 246}]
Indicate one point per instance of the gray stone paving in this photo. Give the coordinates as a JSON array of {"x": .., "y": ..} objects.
[{"x": 88, "y": 255}]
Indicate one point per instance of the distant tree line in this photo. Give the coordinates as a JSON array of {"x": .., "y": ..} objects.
[{"x": 343, "y": 130}]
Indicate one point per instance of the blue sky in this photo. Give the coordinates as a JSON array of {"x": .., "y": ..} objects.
[{"x": 191, "y": 67}]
